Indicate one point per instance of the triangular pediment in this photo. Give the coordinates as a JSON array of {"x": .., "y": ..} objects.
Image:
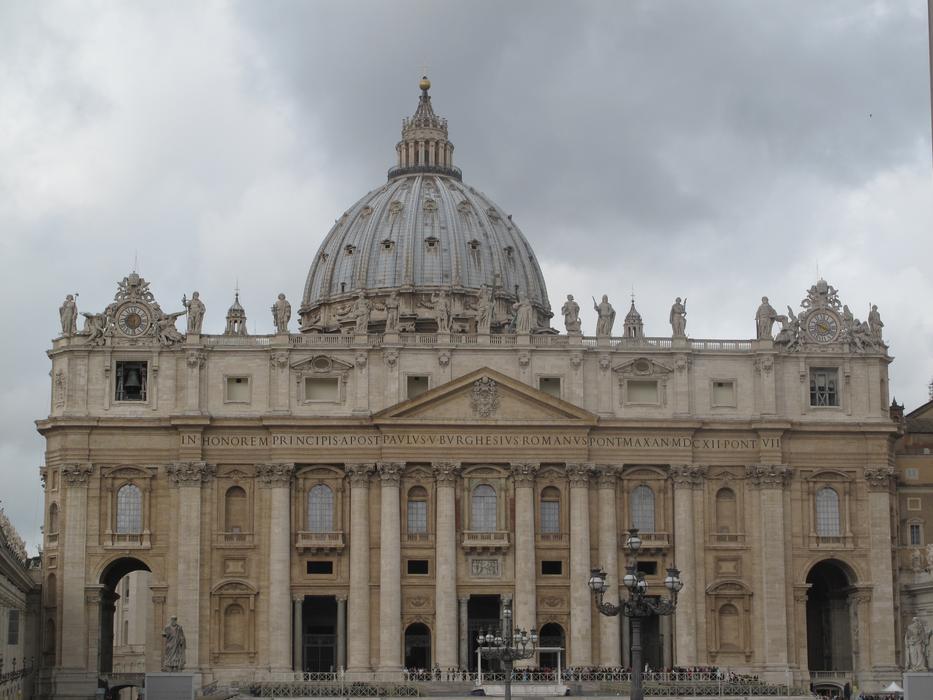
[
  {"x": 486, "y": 395},
  {"x": 642, "y": 367}
]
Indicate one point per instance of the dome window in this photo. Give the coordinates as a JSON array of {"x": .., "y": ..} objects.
[
  {"x": 349, "y": 249},
  {"x": 323, "y": 257},
  {"x": 431, "y": 242},
  {"x": 366, "y": 212},
  {"x": 474, "y": 244},
  {"x": 492, "y": 214},
  {"x": 509, "y": 250},
  {"x": 395, "y": 207},
  {"x": 430, "y": 205},
  {"x": 388, "y": 244}
]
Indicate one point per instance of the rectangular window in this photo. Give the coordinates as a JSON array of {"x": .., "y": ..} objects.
[
  {"x": 642, "y": 391},
  {"x": 418, "y": 567},
  {"x": 824, "y": 387},
  {"x": 320, "y": 567},
  {"x": 417, "y": 516},
  {"x": 550, "y": 517},
  {"x": 912, "y": 473},
  {"x": 552, "y": 568},
  {"x": 550, "y": 386},
  {"x": 238, "y": 389},
  {"x": 916, "y": 534},
  {"x": 723, "y": 393},
  {"x": 648, "y": 568},
  {"x": 913, "y": 503},
  {"x": 416, "y": 384},
  {"x": 131, "y": 381},
  {"x": 13, "y": 628},
  {"x": 322, "y": 389}
]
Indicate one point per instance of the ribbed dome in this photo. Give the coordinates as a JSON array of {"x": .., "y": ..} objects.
[{"x": 422, "y": 232}]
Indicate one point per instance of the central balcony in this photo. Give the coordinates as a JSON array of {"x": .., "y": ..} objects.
[
  {"x": 476, "y": 541},
  {"x": 314, "y": 542}
]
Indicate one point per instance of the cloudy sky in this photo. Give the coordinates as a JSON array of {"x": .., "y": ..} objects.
[{"x": 715, "y": 150}]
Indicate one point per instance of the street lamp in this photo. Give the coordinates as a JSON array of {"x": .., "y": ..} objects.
[
  {"x": 507, "y": 645},
  {"x": 638, "y": 604}
]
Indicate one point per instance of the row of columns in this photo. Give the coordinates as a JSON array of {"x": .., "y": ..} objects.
[{"x": 430, "y": 152}]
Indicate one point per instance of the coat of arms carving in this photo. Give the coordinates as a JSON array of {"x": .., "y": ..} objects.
[{"x": 485, "y": 397}]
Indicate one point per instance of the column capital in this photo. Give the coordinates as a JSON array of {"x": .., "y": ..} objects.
[
  {"x": 769, "y": 476},
  {"x": 579, "y": 474},
  {"x": 190, "y": 473},
  {"x": 275, "y": 474},
  {"x": 76, "y": 474},
  {"x": 524, "y": 472},
  {"x": 687, "y": 476},
  {"x": 359, "y": 473},
  {"x": 446, "y": 472},
  {"x": 390, "y": 473},
  {"x": 607, "y": 475},
  {"x": 879, "y": 478}
]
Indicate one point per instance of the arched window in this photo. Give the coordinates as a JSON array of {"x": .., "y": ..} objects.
[
  {"x": 550, "y": 511},
  {"x": 417, "y": 510},
  {"x": 53, "y": 519},
  {"x": 827, "y": 512},
  {"x": 643, "y": 509},
  {"x": 730, "y": 634},
  {"x": 484, "y": 509},
  {"x": 320, "y": 509},
  {"x": 235, "y": 510},
  {"x": 129, "y": 510},
  {"x": 725, "y": 511},
  {"x": 234, "y": 627}
]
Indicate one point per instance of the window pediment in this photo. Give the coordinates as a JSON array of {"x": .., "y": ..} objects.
[
  {"x": 233, "y": 588},
  {"x": 322, "y": 364},
  {"x": 642, "y": 367}
]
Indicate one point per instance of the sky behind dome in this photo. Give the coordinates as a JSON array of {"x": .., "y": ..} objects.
[{"x": 718, "y": 151}]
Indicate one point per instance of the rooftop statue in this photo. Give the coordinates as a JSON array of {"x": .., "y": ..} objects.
[
  {"x": 195, "y": 308},
  {"x": 607, "y": 316},
  {"x": 764, "y": 319},
  {"x": 571, "y": 313},
  {"x": 874, "y": 322},
  {"x": 359, "y": 312},
  {"x": 165, "y": 330},
  {"x": 440, "y": 303},
  {"x": 391, "y": 307},
  {"x": 524, "y": 315},
  {"x": 678, "y": 318},
  {"x": 484, "y": 310},
  {"x": 281, "y": 314},
  {"x": 68, "y": 315}
]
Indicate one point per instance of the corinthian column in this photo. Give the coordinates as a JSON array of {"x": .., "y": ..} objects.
[
  {"x": 445, "y": 566},
  {"x": 880, "y": 480},
  {"x": 525, "y": 590},
  {"x": 685, "y": 477},
  {"x": 770, "y": 480},
  {"x": 358, "y": 651},
  {"x": 581, "y": 642},
  {"x": 74, "y": 557},
  {"x": 188, "y": 478},
  {"x": 390, "y": 582},
  {"x": 609, "y": 646},
  {"x": 277, "y": 478}
]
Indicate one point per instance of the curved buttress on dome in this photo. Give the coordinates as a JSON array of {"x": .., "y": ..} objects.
[{"x": 421, "y": 233}]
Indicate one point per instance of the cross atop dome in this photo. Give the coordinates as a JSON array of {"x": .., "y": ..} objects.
[{"x": 424, "y": 146}]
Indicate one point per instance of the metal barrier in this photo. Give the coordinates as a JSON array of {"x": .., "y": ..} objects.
[{"x": 274, "y": 689}]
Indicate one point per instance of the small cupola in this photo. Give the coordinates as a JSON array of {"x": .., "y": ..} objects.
[
  {"x": 633, "y": 327},
  {"x": 236, "y": 318},
  {"x": 424, "y": 146}
]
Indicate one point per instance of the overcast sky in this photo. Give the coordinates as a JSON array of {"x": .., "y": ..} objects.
[{"x": 714, "y": 150}]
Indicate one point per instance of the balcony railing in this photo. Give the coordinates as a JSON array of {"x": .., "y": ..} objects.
[
  {"x": 650, "y": 540},
  {"x": 126, "y": 540},
  {"x": 234, "y": 539},
  {"x": 831, "y": 541},
  {"x": 551, "y": 538},
  {"x": 419, "y": 538},
  {"x": 735, "y": 539},
  {"x": 485, "y": 541},
  {"x": 319, "y": 541}
]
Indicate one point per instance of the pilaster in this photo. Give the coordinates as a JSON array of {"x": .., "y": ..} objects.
[
  {"x": 358, "y": 646},
  {"x": 277, "y": 478},
  {"x": 390, "y": 583},
  {"x": 609, "y": 645},
  {"x": 581, "y": 641},
  {"x": 880, "y": 481},
  {"x": 523, "y": 475},
  {"x": 445, "y": 565},
  {"x": 685, "y": 479},
  {"x": 75, "y": 623}
]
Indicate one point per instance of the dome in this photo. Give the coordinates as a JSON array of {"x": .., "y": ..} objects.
[{"x": 422, "y": 233}]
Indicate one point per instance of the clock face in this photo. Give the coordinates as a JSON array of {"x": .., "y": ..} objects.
[
  {"x": 823, "y": 327},
  {"x": 133, "y": 320}
]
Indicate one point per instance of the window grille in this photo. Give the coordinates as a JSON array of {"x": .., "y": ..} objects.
[
  {"x": 417, "y": 516},
  {"x": 823, "y": 387},
  {"x": 550, "y": 516},
  {"x": 643, "y": 509},
  {"x": 827, "y": 513},
  {"x": 129, "y": 510},
  {"x": 916, "y": 534},
  {"x": 484, "y": 509},
  {"x": 320, "y": 509}
]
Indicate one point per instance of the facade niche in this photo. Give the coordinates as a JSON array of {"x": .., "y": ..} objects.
[
  {"x": 729, "y": 621},
  {"x": 233, "y": 629}
]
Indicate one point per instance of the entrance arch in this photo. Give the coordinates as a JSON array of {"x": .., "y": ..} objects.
[
  {"x": 550, "y": 635},
  {"x": 829, "y": 616},
  {"x": 417, "y": 646},
  {"x": 111, "y": 578}
]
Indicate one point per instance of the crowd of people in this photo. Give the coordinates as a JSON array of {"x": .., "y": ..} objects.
[{"x": 587, "y": 673}]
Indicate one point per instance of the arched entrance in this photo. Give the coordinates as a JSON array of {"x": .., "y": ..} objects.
[
  {"x": 124, "y": 615},
  {"x": 829, "y": 628},
  {"x": 417, "y": 646},
  {"x": 551, "y": 635}
]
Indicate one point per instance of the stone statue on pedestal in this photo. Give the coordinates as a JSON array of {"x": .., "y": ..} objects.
[
  {"x": 678, "y": 318},
  {"x": 571, "y": 312},
  {"x": 282, "y": 314},
  {"x": 440, "y": 302},
  {"x": 524, "y": 315},
  {"x": 359, "y": 311},
  {"x": 874, "y": 322},
  {"x": 916, "y": 646},
  {"x": 484, "y": 311},
  {"x": 391, "y": 307},
  {"x": 174, "y": 646},
  {"x": 68, "y": 314},
  {"x": 196, "y": 311},
  {"x": 607, "y": 316},
  {"x": 764, "y": 319}
]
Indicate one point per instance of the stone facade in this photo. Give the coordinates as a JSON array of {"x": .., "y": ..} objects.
[
  {"x": 366, "y": 499},
  {"x": 19, "y": 616}
]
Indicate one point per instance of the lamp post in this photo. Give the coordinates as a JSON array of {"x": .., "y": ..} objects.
[
  {"x": 638, "y": 604},
  {"x": 508, "y": 645}
]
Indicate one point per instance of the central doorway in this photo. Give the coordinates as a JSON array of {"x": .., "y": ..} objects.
[
  {"x": 483, "y": 613},
  {"x": 319, "y": 633},
  {"x": 417, "y": 646},
  {"x": 829, "y": 632}
]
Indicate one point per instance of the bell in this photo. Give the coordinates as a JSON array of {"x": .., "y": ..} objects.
[{"x": 132, "y": 380}]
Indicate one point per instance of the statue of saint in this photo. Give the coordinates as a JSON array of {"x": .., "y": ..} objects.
[
  {"x": 678, "y": 318},
  {"x": 929, "y": 552},
  {"x": 607, "y": 316},
  {"x": 440, "y": 302},
  {"x": 282, "y": 313},
  {"x": 173, "y": 648},
  {"x": 764, "y": 319},
  {"x": 165, "y": 329},
  {"x": 571, "y": 312},
  {"x": 391, "y": 307},
  {"x": 196, "y": 311},
  {"x": 484, "y": 309},
  {"x": 524, "y": 315},
  {"x": 874, "y": 322},
  {"x": 359, "y": 311},
  {"x": 68, "y": 313},
  {"x": 916, "y": 646}
]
